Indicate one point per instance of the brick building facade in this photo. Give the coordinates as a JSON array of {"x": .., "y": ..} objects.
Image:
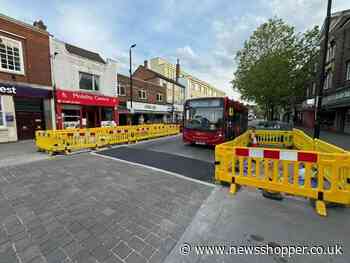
[
  {"x": 175, "y": 92},
  {"x": 335, "y": 112},
  {"x": 148, "y": 101},
  {"x": 336, "y": 90},
  {"x": 25, "y": 79}
]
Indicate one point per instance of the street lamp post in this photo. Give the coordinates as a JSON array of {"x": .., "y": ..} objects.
[
  {"x": 173, "y": 103},
  {"x": 54, "y": 86},
  {"x": 318, "y": 101},
  {"x": 130, "y": 72}
]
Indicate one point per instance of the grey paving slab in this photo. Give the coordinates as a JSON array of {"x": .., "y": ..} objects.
[
  {"x": 122, "y": 250},
  {"x": 249, "y": 219},
  {"x": 79, "y": 208},
  {"x": 19, "y": 153}
]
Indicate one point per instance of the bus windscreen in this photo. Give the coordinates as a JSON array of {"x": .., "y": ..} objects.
[{"x": 204, "y": 118}]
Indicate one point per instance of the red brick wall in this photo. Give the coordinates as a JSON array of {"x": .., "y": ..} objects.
[
  {"x": 36, "y": 54},
  {"x": 151, "y": 90}
]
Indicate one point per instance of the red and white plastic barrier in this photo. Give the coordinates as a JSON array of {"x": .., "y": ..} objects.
[{"x": 283, "y": 155}]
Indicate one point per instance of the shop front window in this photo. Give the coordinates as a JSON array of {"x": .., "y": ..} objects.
[
  {"x": 89, "y": 81},
  {"x": 71, "y": 118},
  {"x": 107, "y": 115},
  {"x": 2, "y": 115}
]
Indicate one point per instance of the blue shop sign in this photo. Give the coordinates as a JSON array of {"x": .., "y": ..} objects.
[{"x": 24, "y": 91}]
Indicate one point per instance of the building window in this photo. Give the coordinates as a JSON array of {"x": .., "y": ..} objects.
[
  {"x": 121, "y": 90},
  {"x": 328, "y": 80},
  {"x": 142, "y": 94},
  {"x": 2, "y": 115},
  {"x": 89, "y": 81},
  {"x": 159, "y": 97},
  {"x": 11, "y": 55},
  {"x": 313, "y": 89},
  {"x": 348, "y": 70}
]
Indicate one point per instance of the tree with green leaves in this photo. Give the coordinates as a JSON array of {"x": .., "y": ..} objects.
[{"x": 274, "y": 65}]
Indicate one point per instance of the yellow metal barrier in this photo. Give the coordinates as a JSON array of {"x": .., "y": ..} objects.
[
  {"x": 313, "y": 169},
  {"x": 54, "y": 141}
]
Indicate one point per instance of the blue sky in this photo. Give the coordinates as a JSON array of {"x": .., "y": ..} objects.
[{"x": 204, "y": 35}]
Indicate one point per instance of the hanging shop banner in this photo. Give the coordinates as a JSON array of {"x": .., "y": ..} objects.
[{"x": 84, "y": 98}]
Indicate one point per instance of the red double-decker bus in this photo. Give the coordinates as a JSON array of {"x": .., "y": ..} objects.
[{"x": 213, "y": 120}]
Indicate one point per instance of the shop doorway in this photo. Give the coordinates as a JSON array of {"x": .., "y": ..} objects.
[
  {"x": 91, "y": 118},
  {"x": 123, "y": 120},
  {"x": 29, "y": 117}
]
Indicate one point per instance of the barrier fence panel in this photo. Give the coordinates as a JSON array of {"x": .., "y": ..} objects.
[
  {"x": 278, "y": 138},
  {"x": 322, "y": 176},
  {"x": 54, "y": 141}
]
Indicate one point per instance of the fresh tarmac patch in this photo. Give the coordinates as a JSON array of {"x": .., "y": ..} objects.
[{"x": 188, "y": 167}]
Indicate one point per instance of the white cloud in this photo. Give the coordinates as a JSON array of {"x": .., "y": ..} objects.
[
  {"x": 303, "y": 13},
  {"x": 186, "y": 53}
]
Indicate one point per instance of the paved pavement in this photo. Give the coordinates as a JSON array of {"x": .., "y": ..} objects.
[
  {"x": 84, "y": 208},
  {"x": 19, "y": 152},
  {"x": 249, "y": 219},
  {"x": 340, "y": 139}
]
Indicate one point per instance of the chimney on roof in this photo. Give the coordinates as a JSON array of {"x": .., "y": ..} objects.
[
  {"x": 177, "y": 70},
  {"x": 145, "y": 64},
  {"x": 40, "y": 24}
]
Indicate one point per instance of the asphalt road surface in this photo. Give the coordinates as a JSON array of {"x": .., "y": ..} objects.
[{"x": 169, "y": 154}]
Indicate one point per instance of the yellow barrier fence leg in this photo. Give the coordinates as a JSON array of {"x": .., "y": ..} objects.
[
  {"x": 321, "y": 208},
  {"x": 233, "y": 188}
]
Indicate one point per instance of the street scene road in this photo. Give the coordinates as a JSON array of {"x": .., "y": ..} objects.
[
  {"x": 88, "y": 207},
  {"x": 174, "y": 131}
]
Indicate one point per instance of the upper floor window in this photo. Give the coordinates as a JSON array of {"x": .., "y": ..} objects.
[
  {"x": 348, "y": 70},
  {"x": 2, "y": 115},
  {"x": 11, "y": 56},
  {"x": 328, "y": 80},
  {"x": 121, "y": 90},
  {"x": 331, "y": 51},
  {"x": 89, "y": 81},
  {"x": 159, "y": 97},
  {"x": 142, "y": 94}
]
